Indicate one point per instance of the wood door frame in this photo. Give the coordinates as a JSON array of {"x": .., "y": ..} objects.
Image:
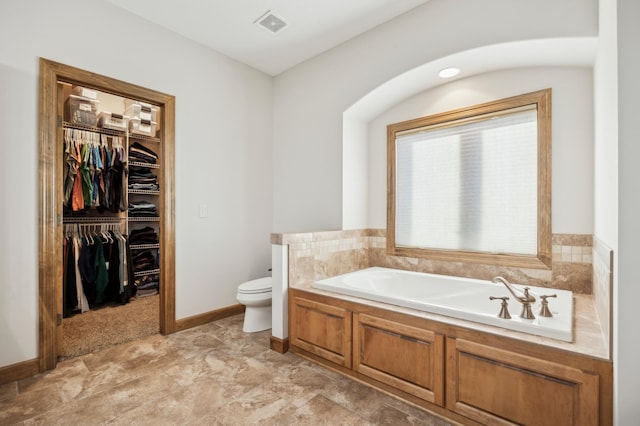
[{"x": 50, "y": 194}]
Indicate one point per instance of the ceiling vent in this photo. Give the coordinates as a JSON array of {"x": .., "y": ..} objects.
[{"x": 272, "y": 22}]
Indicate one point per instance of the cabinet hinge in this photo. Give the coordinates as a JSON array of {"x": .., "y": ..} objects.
[
  {"x": 59, "y": 121},
  {"x": 58, "y": 319}
]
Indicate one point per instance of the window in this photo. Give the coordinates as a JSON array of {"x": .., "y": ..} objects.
[{"x": 473, "y": 184}]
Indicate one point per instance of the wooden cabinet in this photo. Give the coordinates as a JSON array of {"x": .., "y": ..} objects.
[
  {"x": 408, "y": 358},
  {"x": 468, "y": 376},
  {"x": 495, "y": 386},
  {"x": 321, "y": 329}
]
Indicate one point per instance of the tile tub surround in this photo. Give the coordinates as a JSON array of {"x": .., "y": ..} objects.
[
  {"x": 603, "y": 287},
  {"x": 211, "y": 375},
  {"x": 318, "y": 255}
]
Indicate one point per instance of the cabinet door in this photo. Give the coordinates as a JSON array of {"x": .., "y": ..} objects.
[
  {"x": 408, "y": 358},
  {"x": 321, "y": 329},
  {"x": 494, "y": 386}
]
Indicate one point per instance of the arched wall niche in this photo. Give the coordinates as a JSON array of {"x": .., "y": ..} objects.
[{"x": 560, "y": 52}]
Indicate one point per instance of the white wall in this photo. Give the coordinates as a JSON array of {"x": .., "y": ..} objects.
[
  {"x": 572, "y": 135},
  {"x": 309, "y": 99},
  {"x": 605, "y": 74},
  {"x": 223, "y": 151},
  {"x": 355, "y": 186},
  {"x": 616, "y": 91},
  {"x": 627, "y": 282}
]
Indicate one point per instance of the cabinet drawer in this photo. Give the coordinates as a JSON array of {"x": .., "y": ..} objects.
[
  {"x": 494, "y": 386},
  {"x": 321, "y": 329},
  {"x": 405, "y": 357}
]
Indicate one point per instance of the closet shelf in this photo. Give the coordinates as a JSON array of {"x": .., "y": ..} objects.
[
  {"x": 143, "y": 191},
  {"x": 93, "y": 219},
  {"x": 111, "y": 132},
  {"x": 143, "y": 273},
  {"x": 144, "y": 219},
  {"x": 144, "y": 138},
  {"x": 94, "y": 129},
  {"x": 147, "y": 165},
  {"x": 144, "y": 246}
]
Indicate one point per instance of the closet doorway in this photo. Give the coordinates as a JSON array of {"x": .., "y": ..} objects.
[{"x": 55, "y": 81}]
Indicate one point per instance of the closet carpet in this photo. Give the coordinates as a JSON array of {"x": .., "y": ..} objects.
[
  {"x": 213, "y": 374},
  {"x": 111, "y": 325}
]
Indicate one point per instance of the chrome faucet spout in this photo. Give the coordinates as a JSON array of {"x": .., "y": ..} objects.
[{"x": 524, "y": 298}]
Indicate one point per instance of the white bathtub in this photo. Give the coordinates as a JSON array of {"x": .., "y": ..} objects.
[{"x": 462, "y": 298}]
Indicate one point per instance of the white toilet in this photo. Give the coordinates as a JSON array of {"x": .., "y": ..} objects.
[{"x": 256, "y": 296}]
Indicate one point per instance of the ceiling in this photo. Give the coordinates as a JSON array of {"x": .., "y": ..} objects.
[{"x": 228, "y": 27}]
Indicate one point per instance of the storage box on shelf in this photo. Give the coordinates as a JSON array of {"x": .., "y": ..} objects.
[
  {"x": 84, "y": 92},
  {"x": 142, "y": 127},
  {"x": 81, "y": 110},
  {"x": 141, "y": 110},
  {"x": 110, "y": 120}
]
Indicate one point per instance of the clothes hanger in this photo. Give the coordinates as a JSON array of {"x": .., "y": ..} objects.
[{"x": 105, "y": 234}]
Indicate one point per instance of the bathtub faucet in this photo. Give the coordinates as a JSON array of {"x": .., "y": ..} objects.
[{"x": 523, "y": 297}]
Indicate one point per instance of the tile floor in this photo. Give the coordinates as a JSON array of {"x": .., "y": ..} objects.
[{"x": 209, "y": 375}]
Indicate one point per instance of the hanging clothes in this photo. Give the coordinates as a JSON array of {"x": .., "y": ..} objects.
[
  {"x": 77, "y": 202},
  {"x": 118, "y": 195},
  {"x": 102, "y": 274},
  {"x": 69, "y": 289},
  {"x": 127, "y": 289},
  {"x": 92, "y": 179},
  {"x": 83, "y": 303},
  {"x": 112, "y": 258},
  {"x": 101, "y": 204},
  {"x": 85, "y": 171},
  {"x": 71, "y": 166},
  {"x": 95, "y": 270},
  {"x": 106, "y": 203}
]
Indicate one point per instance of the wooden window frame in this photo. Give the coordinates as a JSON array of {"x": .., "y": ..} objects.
[{"x": 542, "y": 260}]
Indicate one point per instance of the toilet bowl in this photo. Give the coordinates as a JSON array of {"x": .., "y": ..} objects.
[{"x": 255, "y": 295}]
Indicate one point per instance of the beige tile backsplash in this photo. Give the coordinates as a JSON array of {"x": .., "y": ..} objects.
[
  {"x": 603, "y": 287},
  {"x": 317, "y": 255}
]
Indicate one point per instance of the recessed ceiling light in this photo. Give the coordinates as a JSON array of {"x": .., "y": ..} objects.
[{"x": 449, "y": 72}]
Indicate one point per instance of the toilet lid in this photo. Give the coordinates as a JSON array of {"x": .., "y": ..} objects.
[{"x": 261, "y": 285}]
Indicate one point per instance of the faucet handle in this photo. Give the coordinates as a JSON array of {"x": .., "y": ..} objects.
[
  {"x": 504, "y": 311},
  {"x": 544, "y": 308},
  {"x": 527, "y": 296}
]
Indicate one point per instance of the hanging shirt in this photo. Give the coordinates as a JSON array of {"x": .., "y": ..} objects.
[
  {"x": 83, "y": 304},
  {"x": 71, "y": 170},
  {"x": 101, "y": 273},
  {"x": 87, "y": 184}
]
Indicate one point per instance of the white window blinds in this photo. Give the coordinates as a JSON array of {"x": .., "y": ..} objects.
[{"x": 470, "y": 185}]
